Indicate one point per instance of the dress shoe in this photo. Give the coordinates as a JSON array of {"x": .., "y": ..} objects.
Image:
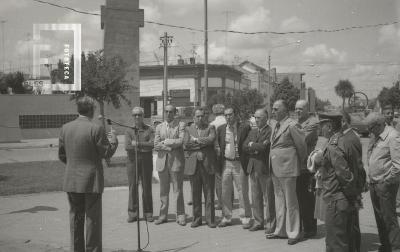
[
  {"x": 160, "y": 221},
  {"x": 308, "y": 235},
  {"x": 256, "y": 228},
  {"x": 224, "y": 224},
  {"x": 131, "y": 219},
  {"x": 211, "y": 225},
  {"x": 149, "y": 219},
  {"x": 274, "y": 236},
  {"x": 181, "y": 222},
  {"x": 292, "y": 241},
  {"x": 246, "y": 226},
  {"x": 195, "y": 224},
  {"x": 190, "y": 203}
]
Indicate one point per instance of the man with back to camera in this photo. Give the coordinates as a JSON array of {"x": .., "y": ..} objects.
[
  {"x": 257, "y": 145},
  {"x": 82, "y": 146},
  {"x": 384, "y": 171},
  {"x": 170, "y": 163},
  {"x": 287, "y": 154},
  {"x": 305, "y": 182},
  {"x": 200, "y": 166},
  {"x": 144, "y": 147}
]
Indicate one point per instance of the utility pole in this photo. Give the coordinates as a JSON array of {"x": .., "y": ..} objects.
[
  {"x": 165, "y": 43},
  {"x": 227, "y": 13},
  {"x": 204, "y": 101},
  {"x": 2, "y": 44}
]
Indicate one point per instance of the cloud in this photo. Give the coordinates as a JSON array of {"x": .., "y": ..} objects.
[
  {"x": 293, "y": 24},
  {"x": 389, "y": 34},
  {"x": 216, "y": 54},
  {"x": 151, "y": 11},
  {"x": 321, "y": 53},
  {"x": 13, "y": 5},
  {"x": 255, "y": 21}
]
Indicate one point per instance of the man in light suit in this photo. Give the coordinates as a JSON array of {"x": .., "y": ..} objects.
[
  {"x": 200, "y": 166},
  {"x": 305, "y": 193},
  {"x": 234, "y": 163},
  {"x": 82, "y": 146},
  {"x": 170, "y": 163},
  {"x": 288, "y": 152},
  {"x": 257, "y": 146}
]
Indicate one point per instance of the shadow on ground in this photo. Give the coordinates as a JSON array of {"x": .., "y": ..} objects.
[
  {"x": 35, "y": 209},
  {"x": 164, "y": 250}
]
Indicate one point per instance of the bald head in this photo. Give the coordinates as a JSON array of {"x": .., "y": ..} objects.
[
  {"x": 301, "y": 110},
  {"x": 375, "y": 122},
  {"x": 261, "y": 117}
]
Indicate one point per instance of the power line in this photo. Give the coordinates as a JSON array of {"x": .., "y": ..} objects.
[{"x": 319, "y": 30}]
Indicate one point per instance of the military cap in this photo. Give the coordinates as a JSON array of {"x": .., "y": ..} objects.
[{"x": 332, "y": 117}]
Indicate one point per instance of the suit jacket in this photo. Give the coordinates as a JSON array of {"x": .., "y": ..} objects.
[
  {"x": 169, "y": 146},
  {"x": 82, "y": 145},
  {"x": 201, "y": 150},
  {"x": 259, "y": 150},
  {"x": 310, "y": 130},
  {"x": 243, "y": 130},
  {"x": 288, "y": 149}
]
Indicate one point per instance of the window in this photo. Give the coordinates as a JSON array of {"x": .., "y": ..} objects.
[{"x": 45, "y": 121}]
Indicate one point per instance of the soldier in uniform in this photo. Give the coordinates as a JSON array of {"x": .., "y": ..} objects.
[{"x": 336, "y": 179}]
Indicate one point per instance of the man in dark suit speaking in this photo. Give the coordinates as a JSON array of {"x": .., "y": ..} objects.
[{"x": 82, "y": 146}]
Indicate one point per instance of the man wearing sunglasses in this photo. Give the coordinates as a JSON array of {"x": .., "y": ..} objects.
[
  {"x": 144, "y": 145},
  {"x": 168, "y": 143}
]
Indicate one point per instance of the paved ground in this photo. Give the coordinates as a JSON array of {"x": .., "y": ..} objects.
[{"x": 39, "y": 222}]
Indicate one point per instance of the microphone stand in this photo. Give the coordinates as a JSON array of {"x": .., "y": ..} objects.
[
  {"x": 137, "y": 186},
  {"x": 136, "y": 130}
]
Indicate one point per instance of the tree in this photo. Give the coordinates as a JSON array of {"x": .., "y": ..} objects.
[
  {"x": 320, "y": 104},
  {"x": 390, "y": 96},
  {"x": 103, "y": 79},
  {"x": 286, "y": 91},
  {"x": 244, "y": 101},
  {"x": 344, "y": 89},
  {"x": 15, "y": 81}
]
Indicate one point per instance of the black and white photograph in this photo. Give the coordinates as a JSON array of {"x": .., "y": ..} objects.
[{"x": 199, "y": 125}]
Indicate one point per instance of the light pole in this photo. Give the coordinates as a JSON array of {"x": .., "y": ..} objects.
[
  {"x": 204, "y": 102},
  {"x": 269, "y": 57},
  {"x": 2, "y": 44}
]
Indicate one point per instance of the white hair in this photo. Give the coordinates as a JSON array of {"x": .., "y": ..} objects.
[
  {"x": 140, "y": 109},
  {"x": 374, "y": 118}
]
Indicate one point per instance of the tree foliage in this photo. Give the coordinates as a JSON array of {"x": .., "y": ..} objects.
[
  {"x": 344, "y": 89},
  {"x": 245, "y": 102},
  {"x": 59, "y": 75},
  {"x": 390, "y": 96},
  {"x": 321, "y": 104},
  {"x": 103, "y": 79},
  {"x": 286, "y": 91},
  {"x": 15, "y": 81}
]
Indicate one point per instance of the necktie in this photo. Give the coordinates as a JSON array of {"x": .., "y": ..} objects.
[{"x": 276, "y": 130}]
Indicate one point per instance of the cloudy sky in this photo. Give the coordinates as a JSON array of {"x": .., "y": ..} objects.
[{"x": 369, "y": 57}]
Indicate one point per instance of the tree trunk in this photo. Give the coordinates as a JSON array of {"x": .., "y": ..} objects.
[{"x": 103, "y": 120}]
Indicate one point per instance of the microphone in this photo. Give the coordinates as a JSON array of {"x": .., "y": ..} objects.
[{"x": 110, "y": 122}]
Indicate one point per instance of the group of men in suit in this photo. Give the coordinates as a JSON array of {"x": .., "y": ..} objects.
[{"x": 217, "y": 156}]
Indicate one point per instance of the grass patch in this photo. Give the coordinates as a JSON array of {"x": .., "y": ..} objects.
[{"x": 47, "y": 176}]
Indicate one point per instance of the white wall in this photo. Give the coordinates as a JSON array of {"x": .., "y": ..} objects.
[{"x": 154, "y": 87}]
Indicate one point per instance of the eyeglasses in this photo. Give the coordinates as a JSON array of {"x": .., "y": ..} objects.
[
  {"x": 169, "y": 111},
  {"x": 135, "y": 115}
]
